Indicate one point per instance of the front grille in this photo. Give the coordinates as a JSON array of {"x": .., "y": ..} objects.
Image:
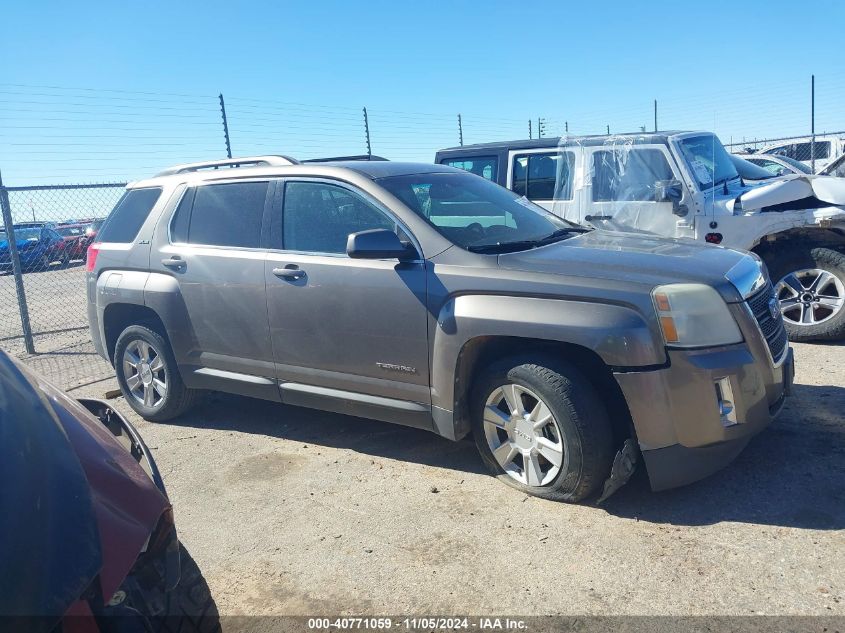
[{"x": 771, "y": 327}]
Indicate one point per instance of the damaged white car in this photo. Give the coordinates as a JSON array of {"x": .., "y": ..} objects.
[{"x": 685, "y": 185}]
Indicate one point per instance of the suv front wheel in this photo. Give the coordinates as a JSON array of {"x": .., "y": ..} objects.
[
  {"x": 543, "y": 431},
  {"x": 148, "y": 377}
]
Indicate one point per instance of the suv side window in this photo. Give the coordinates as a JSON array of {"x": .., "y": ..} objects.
[
  {"x": 628, "y": 175},
  {"x": 318, "y": 217},
  {"x": 129, "y": 215},
  {"x": 546, "y": 176},
  {"x": 228, "y": 214},
  {"x": 484, "y": 166}
]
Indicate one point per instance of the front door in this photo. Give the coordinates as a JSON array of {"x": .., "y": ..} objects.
[
  {"x": 621, "y": 191},
  {"x": 343, "y": 324}
]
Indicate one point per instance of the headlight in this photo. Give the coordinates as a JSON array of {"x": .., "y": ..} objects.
[{"x": 694, "y": 315}]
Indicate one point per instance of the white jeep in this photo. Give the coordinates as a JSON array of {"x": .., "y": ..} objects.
[{"x": 684, "y": 185}]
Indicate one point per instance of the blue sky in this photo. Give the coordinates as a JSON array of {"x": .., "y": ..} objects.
[{"x": 101, "y": 91}]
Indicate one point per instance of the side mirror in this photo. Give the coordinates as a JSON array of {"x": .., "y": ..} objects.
[
  {"x": 671, "y": 191},
  {"x": 378, "y": 244}
]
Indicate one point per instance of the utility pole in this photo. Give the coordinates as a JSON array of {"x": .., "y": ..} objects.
[
  {"x": 566, "y": 126},
  {"x": 367, "y": 134},
  {"x": 529, "y": 129},
  {"x": 460, "y": 131},
  {"x": 225, "y": 126},
  {"x": 813, "y": 123},
  {"x": 6, "y": 208},
  {"x": 608, "y": 129},
  {"x": 541, "y": 127},
  {"x": 655, "y": 115}
]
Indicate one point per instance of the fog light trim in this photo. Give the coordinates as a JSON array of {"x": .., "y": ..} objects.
[{"x": 725, "y": 402}]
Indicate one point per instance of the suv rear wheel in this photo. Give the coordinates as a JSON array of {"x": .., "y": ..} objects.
[
  {"x": 543, "y": 430},
  {"x": 148, "y": 377}
]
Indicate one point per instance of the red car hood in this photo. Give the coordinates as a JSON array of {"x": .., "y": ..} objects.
[{"x": 127, "y": 504}]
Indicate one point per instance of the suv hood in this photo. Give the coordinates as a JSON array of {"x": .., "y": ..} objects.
[{"x": 633, "y": 258}]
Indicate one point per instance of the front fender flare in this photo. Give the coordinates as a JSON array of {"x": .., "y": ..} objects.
[{"x": 618, "y": 334}]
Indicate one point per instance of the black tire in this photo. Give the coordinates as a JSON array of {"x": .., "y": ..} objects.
[
  {"x": 190, "y": 607},
  {"x": 178, "y": 397},
  {"x": 796, "y": 258},
  {"x": 582, "y": 418}
]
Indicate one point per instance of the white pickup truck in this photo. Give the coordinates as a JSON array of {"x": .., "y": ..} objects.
[{"x": 684, "y": 185}]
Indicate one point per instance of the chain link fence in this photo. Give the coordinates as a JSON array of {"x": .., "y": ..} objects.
[{"x": 43, "y": 317}]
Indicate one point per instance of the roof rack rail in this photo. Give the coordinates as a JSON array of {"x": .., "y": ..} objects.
[
  {"x": 342, "y": 158},
  {"x": 246, "y": 161}
]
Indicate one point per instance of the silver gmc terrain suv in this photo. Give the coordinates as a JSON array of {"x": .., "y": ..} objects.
[{"x": 427, "y": 296}]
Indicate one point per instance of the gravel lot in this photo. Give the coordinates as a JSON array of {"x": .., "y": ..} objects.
[{"x": 292, "y": 511}]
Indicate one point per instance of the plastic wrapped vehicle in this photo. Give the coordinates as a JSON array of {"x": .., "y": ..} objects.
[{"x": 685, "y": 185}]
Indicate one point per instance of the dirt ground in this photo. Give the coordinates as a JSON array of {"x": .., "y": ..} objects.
[{"x": 293, "y": 511}]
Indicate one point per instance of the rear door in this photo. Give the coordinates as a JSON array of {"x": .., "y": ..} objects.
[
  {"x": 352, "y": 325},
  {"x": 215, "y": 251},
  {"x": 546, "y": 177}
]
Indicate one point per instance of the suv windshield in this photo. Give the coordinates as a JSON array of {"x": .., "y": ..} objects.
[
  {"x": 708, "y": 160},
  {"x": 477, "y": 214}
]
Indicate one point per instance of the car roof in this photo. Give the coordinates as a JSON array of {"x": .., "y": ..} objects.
[{"x": 589, "y": 140}]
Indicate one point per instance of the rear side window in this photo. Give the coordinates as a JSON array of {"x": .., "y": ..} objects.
[
  {"x": 129, "y": 214},
  {"x": 484, "y": 166},
  {"x": 546, "y": 176},
  {"x": 221, "y": 215}
]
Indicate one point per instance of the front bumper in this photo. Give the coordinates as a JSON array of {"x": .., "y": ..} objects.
[{"x": 680, "y": 428}]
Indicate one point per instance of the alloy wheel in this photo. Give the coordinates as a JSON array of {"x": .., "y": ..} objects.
[
  {"x": 523, "y": 435},
  {"x": 810, "y": 296},
  {"x": 144, "y": 373}
]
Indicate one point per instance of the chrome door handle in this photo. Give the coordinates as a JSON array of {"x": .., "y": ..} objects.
[
  {"x": 292, "y": 272},
  {"x": 174, "y": 262}
]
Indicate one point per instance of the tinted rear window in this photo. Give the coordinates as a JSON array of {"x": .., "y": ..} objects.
[
  {"x": 129, "y": 214},
  {"x": 221, "y": 215}
]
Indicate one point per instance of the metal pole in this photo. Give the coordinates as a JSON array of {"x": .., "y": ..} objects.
[
  {"x": 460, "y": 130},
  {"x": 529, "y": 129},
  {"x": 608, "y": 130},
  {"x": 367, "y": 133},
  {"x": 566, "y": 126},
  {"x": 813, "y": 123},
  {"x": 16, "y": 268},
  {"x": 225, "y": 127},
  {"x": 655, "y": 115}
]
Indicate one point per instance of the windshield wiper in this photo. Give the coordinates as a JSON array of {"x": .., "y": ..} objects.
[{"x": 503, "y": 247}]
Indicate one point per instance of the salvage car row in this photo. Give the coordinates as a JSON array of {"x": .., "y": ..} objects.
[{"x": 40, "y": 244}]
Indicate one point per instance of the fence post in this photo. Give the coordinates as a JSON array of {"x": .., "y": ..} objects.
[
  {"x": 225, "y": 126},
  {"x": 367, "y": 133},
  {"x": 813, "y": 123},
  {"x": 16, "y": 268},
  {"x": 460, "y": 131}
]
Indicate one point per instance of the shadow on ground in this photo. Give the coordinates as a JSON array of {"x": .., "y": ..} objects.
[{"x": 791, "y": 475}]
